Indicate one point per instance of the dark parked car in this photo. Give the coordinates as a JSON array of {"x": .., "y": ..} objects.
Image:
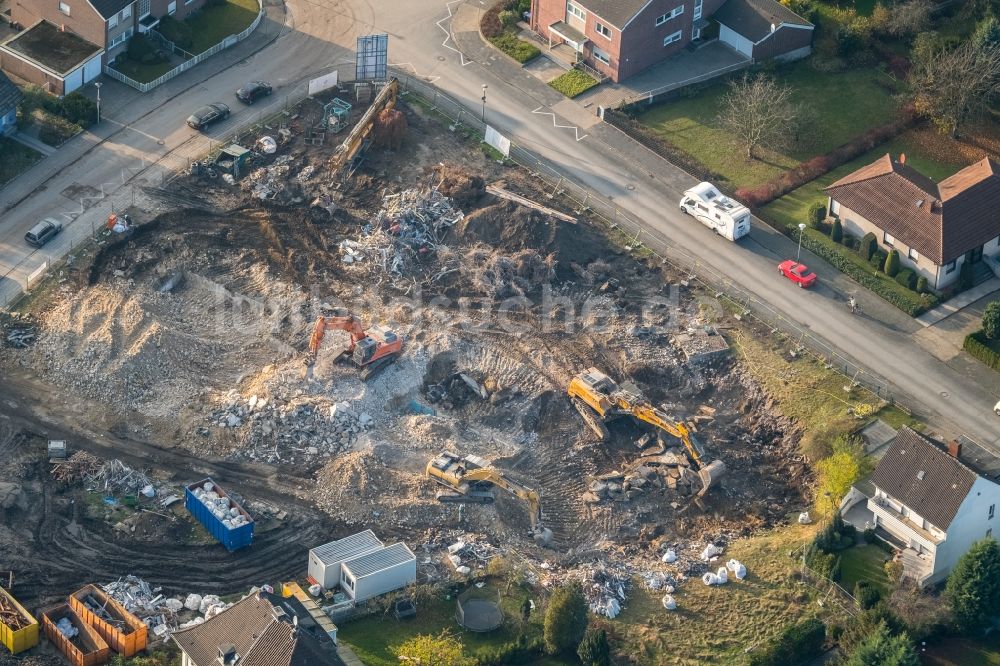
[
  {"x": 253, "y": 91},
  {"x": 207, "y": 115},
  {"x": 42, "y": 233}
]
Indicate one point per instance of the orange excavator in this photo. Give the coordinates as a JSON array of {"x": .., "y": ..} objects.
[{"x": 371, "y": 350}]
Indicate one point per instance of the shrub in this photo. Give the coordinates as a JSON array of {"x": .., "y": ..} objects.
[
  {"x": 521, "y": 651},
  {"x": 867, "y": 246},
  {"x": 891, "y": 265},
  {"x": 798, "y": 643},
  {"x": 508, "y": 19},
  {"x": 973, "y": 587},
  {"x": 138, "y": 46},
  {"x": 523, "y": 6},
  {"x": 565, "y": 619},
  {"x": 922, "y": 286},
  {"x": 978, "y": 345},
  {"x": 878, "y": 259},
  {"x": 573, "y": 83},
  {"x": 176, "y": 31},
  {"x": 79, "y": 109},
  {"x": 836, "y": 231},
  {"x": 594, "y": 650},
  {"x": 907, "y": 278},
  {"x": 518, "y": 49},
  {"x": 816, "y": 215},
  {"x": 866, "y": 595},
  {"x": 991, "y": 320},
  {"x": 54, "y": 130}
]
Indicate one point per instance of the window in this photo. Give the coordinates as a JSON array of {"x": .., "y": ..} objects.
[
  {"x": 573, "y": 10},
  {"x": 992, "y": 509},
  {"x": 670, "y": 39},
  {"x": 950, "y": 267},
  {"x": 127, "y": 12},
  {"x": 673, "y": 13},
  {"x": 697, "y": 9},
  {"x": 120, "y": 38},
  {"x": 601, "y": 56},
  {"x": 64, "y": 8},
  {"x": 913, "y": 254},
  {"x": 602, "y": 30},
  {"x": 172, "y": 8},
  {"x": 887, "y": 238},
  {"x": 113, "y": 21},
  {"x": 143, "y": 8}
]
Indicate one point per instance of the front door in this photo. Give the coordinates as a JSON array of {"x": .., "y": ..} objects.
[{"x": 974, "y": 255}]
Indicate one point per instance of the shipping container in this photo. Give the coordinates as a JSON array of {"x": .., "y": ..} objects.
[
  {"x": 219, "y": 524},
  {"x": 325, "y": 560},
  {"x": 87, "y": 648},
  {"x": 20, "y": 635},
  {"x": 123, "y": 632},
  {"x": 378, "y": 572}
]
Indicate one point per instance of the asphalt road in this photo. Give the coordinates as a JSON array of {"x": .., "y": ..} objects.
[{"x": 321, "y": 34}]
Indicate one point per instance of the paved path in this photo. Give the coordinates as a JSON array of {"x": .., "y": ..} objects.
[
  {"x": 953, "y": 305},
  {"x": 33, "y": 143}
]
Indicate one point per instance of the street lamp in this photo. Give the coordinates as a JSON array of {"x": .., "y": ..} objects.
[
  {"x": 98, "y": 86},
  {"x": 802, "y": 228},
  {"x": 484, "y": 101}
]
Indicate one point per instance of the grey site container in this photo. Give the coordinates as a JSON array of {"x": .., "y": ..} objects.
[
  {"x": 325, "y": 560},
  {"x": 378, "y": 572}
]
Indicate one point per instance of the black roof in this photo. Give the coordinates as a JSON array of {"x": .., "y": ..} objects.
[
  {"x": 108, "y": 8},
  {"x": 753, "y": 18},
  {"x": 10, "y": 95}
]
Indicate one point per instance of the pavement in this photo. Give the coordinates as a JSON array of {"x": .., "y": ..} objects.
[
  {"x": 959, "y": 302},
  {"x": 437, "y": 41},
  {"x": 33, "y": 143}
]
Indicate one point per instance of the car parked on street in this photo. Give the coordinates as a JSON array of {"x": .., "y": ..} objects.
[
  {"x": 42, "y": 233},
  {"x": 253, "y": 91},
  {"x": 207, "y": 115},
  {"x": 797, "y": 273}
]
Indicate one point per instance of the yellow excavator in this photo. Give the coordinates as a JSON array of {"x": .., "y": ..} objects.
[
  {"x": 600, "y": 399},
  {"x": 471, "y": 479}
]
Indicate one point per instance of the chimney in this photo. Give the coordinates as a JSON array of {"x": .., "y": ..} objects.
[
  {"x": 902, "y": 158},
  {"x": 954, "y": 449},
  {"x": 227, "y": 654}
]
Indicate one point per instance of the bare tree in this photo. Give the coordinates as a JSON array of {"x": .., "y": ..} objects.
[
  {"x": 760, "y": 112},
  {"x": 954, "y": 86},
  {"x": 908, "y": 18}
]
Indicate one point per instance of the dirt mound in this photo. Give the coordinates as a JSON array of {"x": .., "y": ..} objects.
[
  {"x": 464, "y": 189},
  {"x": 511, "y": 227}
]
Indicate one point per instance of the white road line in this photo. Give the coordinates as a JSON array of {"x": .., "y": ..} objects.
[
  {"x": 447, "y": 33},
  {"x": 428, "y": 79},
  {"x": 575, "y": 129}
]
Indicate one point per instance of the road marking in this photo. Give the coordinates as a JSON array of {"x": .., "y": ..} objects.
[
  {"x": 576, "y": 130},
  {"x": 428, "y": 79},
  {"x": 447, "y": 33}
]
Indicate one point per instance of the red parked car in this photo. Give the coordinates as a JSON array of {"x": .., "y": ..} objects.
[{"x": 797, "y": 273}]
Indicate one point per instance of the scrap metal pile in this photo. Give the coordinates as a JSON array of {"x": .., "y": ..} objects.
[
  {"x": 146, "y": 603},
  {"x": 410, "y": 225},
  {"x": 21, "y": 337},
  {"x": 116, "y": 477}
]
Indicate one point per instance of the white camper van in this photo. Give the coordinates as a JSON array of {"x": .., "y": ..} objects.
[{"x": 727, "y": 217}]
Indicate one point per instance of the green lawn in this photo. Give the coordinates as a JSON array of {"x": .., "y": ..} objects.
[
  {"x": 573, "y": 83},
  {"x": 964, "y": 652},
  {"x": 216, "y": 22},
  {"x": 15, "y": 158},
  {"x": 838, "y": 107},
  {"x": 373, "y": 637},
  {"x": 863, "y": 563},
  {"x": 793, "y": 207},
  {"x": 518, "y": 49},
  {"x": 143, "y": 73}
]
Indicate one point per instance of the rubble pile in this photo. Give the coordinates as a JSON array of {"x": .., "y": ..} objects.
[
  {"x": 270, "y": 181},
  {"x": 668, "y": 472},
  {"x": 67, "y": 628},
  {"x": 502, "y": 276},
  {"x": 221, "y": 507},
  {"x": 409, "y": 225},
  {"x": 116, "y": 477},
  {"x": 277, "y": 430},
  {"x": 76, "y": 468}
]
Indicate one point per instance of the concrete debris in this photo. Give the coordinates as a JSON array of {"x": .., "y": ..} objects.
[
  {"x": 223, "y": 509},
  {"x": 267, "y": 182},
  {"x": 668, "y": 602},
  {"x": 711, "y": 550},
  {"x": 701, "y": 344},
  {"x": 503, "y": 276},
  {"x": 670, "y": 556},
  {"x": 804, "y": 518}
]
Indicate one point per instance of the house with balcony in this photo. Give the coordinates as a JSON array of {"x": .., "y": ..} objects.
[
  {"x": 620, "y": 38},
  {"x": 66, "y": 43},
  {"x": 930, "y": 500}
]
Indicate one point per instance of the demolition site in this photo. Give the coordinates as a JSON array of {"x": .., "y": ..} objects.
[{"x": 308, "y": 336}]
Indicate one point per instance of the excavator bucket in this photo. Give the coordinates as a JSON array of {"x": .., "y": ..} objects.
[{"x": 709, "y": 474}]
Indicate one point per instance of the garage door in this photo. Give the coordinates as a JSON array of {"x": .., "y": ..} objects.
[
  {"x": 73, "y": 81},
  {"x": 736, "y": 40},
  {"x": 92, "y": 69}
]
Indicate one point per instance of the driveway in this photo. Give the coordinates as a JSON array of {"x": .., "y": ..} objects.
[{"x": 439, "y": 42}]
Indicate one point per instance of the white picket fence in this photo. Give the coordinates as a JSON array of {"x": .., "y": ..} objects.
[{"x": 188, "y": 64}]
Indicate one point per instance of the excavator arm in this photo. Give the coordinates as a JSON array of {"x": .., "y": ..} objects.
[
  {"x": 347, "y": 323},
  {"x": 658, "y": 419},
  {"x": 495, "y": 477}
]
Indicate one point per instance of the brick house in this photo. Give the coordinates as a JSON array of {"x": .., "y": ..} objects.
[
  {"x": 106, "y": 25},
  {"x": 620, "y": 38},
  {"x": 935, "y": 227}
]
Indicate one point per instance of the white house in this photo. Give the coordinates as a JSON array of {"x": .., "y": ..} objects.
[{"x": 927, "y": 499}]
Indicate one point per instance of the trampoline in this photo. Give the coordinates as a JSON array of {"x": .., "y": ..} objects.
[{"x": 479, "y": 615}]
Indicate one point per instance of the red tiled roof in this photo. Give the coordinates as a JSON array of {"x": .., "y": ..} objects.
[{"x": 941, "y": 222}]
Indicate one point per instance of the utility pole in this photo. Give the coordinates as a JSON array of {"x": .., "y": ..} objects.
[{"x": 484, "y": 101}]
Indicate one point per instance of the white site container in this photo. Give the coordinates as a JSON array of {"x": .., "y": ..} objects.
[
  {"x": 378, "y": 572},
  {"x": 325, "y": 560}
]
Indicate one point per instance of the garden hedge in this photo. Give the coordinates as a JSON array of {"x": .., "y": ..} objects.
[{"x": 978, "y": 345}]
